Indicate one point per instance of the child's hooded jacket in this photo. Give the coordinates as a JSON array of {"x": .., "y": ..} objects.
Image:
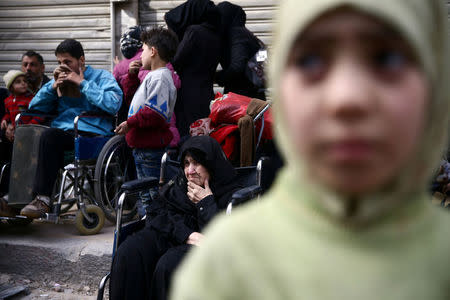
[{"x": 297, "y": 242}]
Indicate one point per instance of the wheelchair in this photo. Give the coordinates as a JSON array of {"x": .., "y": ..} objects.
[
  {"x": 93, "y": 174},
  {"x": 254, "y": 178}
]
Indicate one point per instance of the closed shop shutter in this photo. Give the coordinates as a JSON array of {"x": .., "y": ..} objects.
[
  {"x": 259, "y": 14},
  {"x": 42, "y": 25}
]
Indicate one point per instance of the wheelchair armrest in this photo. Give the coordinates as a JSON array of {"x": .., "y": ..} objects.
[
  {"x": 140, "y": 184},
  {"x": 34, "y": 113},
  {"x": 96, "y": 114},
  {"x": 245, "y": 194},
  {"x": 37, "y": 113},
  {"x": 89, "y": 114}
]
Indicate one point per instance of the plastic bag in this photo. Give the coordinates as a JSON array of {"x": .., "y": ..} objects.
[
  {"x": 228, "y": 138},
  {"x": 200, "y": 127},
  {"x": 228, "y": 109}
]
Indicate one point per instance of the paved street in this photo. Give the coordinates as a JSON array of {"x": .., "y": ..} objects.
[{"x": 53, "y": 261}]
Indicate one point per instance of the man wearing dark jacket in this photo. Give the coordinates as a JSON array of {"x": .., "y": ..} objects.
[{"x": 33, "y": 66}]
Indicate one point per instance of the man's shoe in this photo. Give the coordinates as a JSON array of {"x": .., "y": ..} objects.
[
  {"x": 35, "y": 209},
  {"x": 6, "y": 210}
]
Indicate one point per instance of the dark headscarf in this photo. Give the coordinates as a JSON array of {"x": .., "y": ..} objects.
[
  {"x": 192, "y": 12},
  {"x": 231, "y": 15},
  {"x": 173, "y": 213},
  {"x": 130, "y": 41},
  {"x": 221, "y": 171}
]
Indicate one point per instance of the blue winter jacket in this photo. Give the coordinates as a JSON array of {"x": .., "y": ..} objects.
[{"x": 99, "y": 92}]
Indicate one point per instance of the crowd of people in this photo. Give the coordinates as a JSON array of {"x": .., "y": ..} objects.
[
  {"x": 361, "y": 106},
  {"x": 163, "y": 84}
]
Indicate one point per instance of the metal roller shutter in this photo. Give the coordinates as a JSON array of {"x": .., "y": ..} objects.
[
  {"x": 42, "y": 25},
  {"x": 259, "y": 14}
]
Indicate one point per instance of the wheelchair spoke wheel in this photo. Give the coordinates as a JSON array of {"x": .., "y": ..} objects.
[
  {"x": 98, "y": 220},
  {"x": 67, "y": 192},
  {"x": 115, "y": 165}
]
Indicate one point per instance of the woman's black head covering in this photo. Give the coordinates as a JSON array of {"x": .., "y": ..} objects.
[
  {"x": 130, "y": 41},
  {"x": 191, "y": 12},
  {"x": 215, "y": 161},
  {"x": 231, "y": 15}
]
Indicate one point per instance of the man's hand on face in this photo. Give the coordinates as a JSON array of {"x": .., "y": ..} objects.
[
  {"x": 76, "y": 78},
  {"x": 64, "y": 74}
]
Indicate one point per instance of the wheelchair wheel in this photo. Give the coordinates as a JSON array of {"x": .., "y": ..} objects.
[
  {"x": 115, "y": 165},
  {"x": 88, "y": 228}
]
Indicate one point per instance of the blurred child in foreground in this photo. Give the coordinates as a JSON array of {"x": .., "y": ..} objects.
[{"x": 362, "y": 103}]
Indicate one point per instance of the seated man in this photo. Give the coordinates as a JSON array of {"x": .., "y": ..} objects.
[
  {"x": 33, "y": 65},
  {"x": 76, "y": 88}
]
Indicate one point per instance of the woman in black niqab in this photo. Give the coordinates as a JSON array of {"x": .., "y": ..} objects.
[
  {"x": 196, "y": 23},
  {"x": 143, "y": 265},
  {"x": 192, "y": 12},
  {"x": 239, "y": 45}
]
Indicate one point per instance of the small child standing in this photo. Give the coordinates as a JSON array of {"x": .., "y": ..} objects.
[
  {"x": 147, "y": 127},
  {"x": 17, "y": 102}
]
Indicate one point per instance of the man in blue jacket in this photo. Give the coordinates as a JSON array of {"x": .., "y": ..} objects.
[{"x": 76, "y": 88}]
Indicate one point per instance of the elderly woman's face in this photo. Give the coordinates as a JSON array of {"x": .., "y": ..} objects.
[
  {"x": 194, "y": 171},
  {"x": 354, "y": 99}
]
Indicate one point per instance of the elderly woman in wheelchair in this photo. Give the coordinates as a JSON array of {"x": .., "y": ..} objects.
[{"x": 144, "y": 263}]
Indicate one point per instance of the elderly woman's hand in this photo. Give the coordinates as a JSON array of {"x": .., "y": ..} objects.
[
  {"x": 196, "y": 193},
  {"x": 195, "y": 238}
]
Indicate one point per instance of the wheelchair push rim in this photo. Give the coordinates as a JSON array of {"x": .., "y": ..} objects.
[{"x": 115, "y": 165}]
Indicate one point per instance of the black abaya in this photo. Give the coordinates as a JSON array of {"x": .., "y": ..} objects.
[
  {"x": 196, "y": 23},
  {"x": 143, "y": 265}
]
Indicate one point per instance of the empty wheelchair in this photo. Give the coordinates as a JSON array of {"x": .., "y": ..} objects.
[{"x": 91, "y": 178}]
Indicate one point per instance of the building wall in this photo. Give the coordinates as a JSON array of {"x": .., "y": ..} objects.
[
  {"x": 41, "y": 25},
  {"x": 259, "y": 14}
]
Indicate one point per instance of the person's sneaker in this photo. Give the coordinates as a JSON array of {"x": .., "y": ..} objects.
[
  {"x": 36, "y": 208},
  {"x": 6, "y": 210}
]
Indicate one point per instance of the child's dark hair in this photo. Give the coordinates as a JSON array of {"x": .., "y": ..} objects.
[
  {"x": 164, "y": 40},
  {"x": 71, "y": 46}
]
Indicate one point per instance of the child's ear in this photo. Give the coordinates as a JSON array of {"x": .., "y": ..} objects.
[{"x": 154, "y": 51}]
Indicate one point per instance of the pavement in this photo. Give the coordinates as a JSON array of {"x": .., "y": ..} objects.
[{"x": 50, "y": 253}]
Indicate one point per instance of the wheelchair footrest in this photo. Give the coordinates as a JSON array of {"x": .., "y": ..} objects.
[
  {"x": 52, "y": 217},
  {"x": 140, "y": 184}
]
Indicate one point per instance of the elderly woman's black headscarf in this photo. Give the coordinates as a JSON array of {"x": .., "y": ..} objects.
[
  {"x": 192, "y": 12},
  {"x": 213, "y": 159},
  {"x": 173, "y": 213}
]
